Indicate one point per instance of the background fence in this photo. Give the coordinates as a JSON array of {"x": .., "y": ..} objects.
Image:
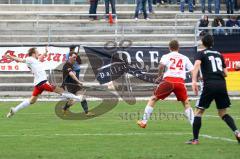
[{"x": 60, "y": 1}]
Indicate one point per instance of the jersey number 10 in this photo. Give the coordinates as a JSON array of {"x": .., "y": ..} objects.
[{"x": 216, "y": 63}]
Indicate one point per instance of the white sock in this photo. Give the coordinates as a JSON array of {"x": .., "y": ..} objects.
[
  {"x": 147, "y": 113},
  {"x": 236, "y": 132},
  {"x": 21, "y": 106},
  {"x": 190, "y": 115},
  {"x": 71, "y": 96}
]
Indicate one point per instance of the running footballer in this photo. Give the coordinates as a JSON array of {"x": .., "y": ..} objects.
[
  {"x": 33, "y": 61},
  {"x": 213, "y": 69},
  {"x": 176, "y": 66}
]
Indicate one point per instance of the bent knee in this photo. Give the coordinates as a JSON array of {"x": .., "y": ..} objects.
[
  {"x": 186, "y": 102},
  {"x": 199, "y": 112},
  {"x": 154, "y": 98},
  {"x": 221, "y": 114},
  {"x": 32, "y": 102}
]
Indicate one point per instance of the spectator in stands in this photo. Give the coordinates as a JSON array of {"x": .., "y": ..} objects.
[
  {"x": 172, "y": 1},
  {"x": 194, "y": 3},
  {"x": 143, "y": 3},
  {"x": 190, "y": 5},
  {"x": 218, "y": 22},
  {"x": 150, "y": 7},
  {"x": 209, "y": 5},
  {"x": 159, "y": 2},
  {"x": 186, "y": 1},
  {"x": 230, "y": 6},
  {"x": 113, "y": 3},
  {"x": 93, "y": 9},
  {"x": 233, "y": 22},
  {"x": 203, "y": 22},
  {"x": 237, "y": 5},
  {"x": 217, "y": 6}
]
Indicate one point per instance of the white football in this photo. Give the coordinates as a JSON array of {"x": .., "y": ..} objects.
[{"x": 237, "y": 67}]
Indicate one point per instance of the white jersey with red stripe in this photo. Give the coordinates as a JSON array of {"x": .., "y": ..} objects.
[
  {"x": 36, "y": 68},
  {"x": 176, "y": 65}
]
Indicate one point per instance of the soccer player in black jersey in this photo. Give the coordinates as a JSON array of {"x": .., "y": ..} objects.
[
  {"x": 213, "y": 69},
  {"x": 73, "y": 85}
]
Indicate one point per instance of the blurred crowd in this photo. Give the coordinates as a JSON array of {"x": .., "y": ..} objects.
[
  {"x": 145, "y": 7},
  {"x": 218, "y": 24}
]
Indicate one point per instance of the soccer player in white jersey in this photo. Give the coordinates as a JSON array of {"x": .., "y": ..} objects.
[
  {"x": 40, "y": 80},
  {"x": 175, "y": 65}
]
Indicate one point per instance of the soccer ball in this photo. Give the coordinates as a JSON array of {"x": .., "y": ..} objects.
[{"x": 237, "y": 67}]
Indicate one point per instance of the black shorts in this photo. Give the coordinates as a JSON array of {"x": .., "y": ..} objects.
[
  {"x": 72, "y": 88},
  {"x": 214, "y": 91}
]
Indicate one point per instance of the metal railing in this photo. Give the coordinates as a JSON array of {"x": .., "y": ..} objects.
[
  {"x": 101, "y": 34},
  {"x": 44, "y": 25},
  {"x": 71, "y": 2},
  {"x": 113, "y": 26}
]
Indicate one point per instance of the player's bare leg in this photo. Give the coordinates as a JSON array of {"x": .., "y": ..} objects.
[
  {"x": 230, "y": 122},
  {"x": 197, "y": 123},
  {"x": 147, "y": 112},
  {"x": 66, "y": 107},
  {"x": 188, "y": 111},
  {"x": 65, "y": 94},
  {"x": 84, "y": 104},
  {"x": 22, "y": 105}
]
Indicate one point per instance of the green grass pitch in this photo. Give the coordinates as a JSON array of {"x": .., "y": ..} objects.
[{"x": 37, "y": 133}]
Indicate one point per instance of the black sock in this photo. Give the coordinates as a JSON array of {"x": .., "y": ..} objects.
[
  {"x": 197, "y": 123},
  {"x": 66, "y": 106},
  {"x": 230, "y": 122},
  {"x": 84, "y": 105}
]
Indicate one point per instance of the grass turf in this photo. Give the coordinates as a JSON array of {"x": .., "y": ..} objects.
[{"x": 36, "y": 132}]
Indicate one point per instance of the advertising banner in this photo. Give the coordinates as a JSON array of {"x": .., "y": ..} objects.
[
  {"x": 141, "y": 62},
  {"x": 56, "y": 56}
]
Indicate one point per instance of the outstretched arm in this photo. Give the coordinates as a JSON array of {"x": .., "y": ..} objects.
[
  {"x": 73, "y": 76},
  {"x": 14, "y": 58}
]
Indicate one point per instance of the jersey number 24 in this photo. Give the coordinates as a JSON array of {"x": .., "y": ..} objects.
[{"x": 176, "y": 64}]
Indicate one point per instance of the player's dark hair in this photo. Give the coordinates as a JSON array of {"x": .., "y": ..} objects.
[
  {"x": 78, "y": 59},
  {"x": 31, "y": 51},
  {"x": 207, "y": 41},
  {"x": 72, "y": 48},
  {"x": 173, "y": 45},
  {"x": 72, "y": 52}
]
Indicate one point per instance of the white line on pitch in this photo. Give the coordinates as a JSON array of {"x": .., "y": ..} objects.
[
  {"x": 209, "y": 116},
  {"x": 115, "y": 134},
  {"x": 215, "y": 116}
]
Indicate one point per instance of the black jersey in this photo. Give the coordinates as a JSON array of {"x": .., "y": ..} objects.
[
  {"x": 68, "y": 82},
  {"x": 212, "y": 65},
  {"x": 68, "y": 67}
]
